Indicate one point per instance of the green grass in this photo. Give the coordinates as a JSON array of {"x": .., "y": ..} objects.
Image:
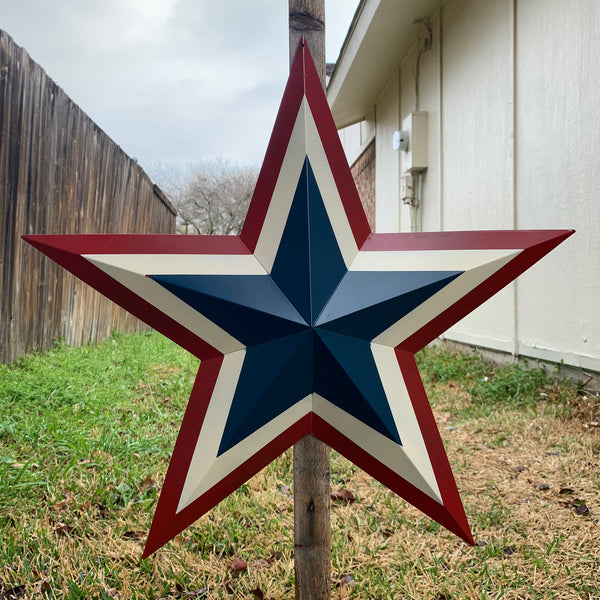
[
  {"x": 85, "y": 439},
  {"x": 67, "y": 414},
  {"x": 490, "y": 386}
]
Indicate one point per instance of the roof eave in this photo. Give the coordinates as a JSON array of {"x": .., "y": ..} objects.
[{"x": 381, "y": 34}]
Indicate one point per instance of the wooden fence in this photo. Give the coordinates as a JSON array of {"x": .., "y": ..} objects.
[{"x": 59, "y": 173}]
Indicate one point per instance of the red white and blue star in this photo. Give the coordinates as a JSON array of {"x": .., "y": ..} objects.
[{"x": 305, "y": 323}]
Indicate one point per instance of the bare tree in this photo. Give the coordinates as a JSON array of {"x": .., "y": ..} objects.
[{"x": 211, "y": 197}]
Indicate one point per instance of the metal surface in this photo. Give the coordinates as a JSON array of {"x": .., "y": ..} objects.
[{"x": 305, "y": 323}]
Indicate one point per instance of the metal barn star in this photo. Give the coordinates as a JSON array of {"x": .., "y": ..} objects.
[{"x": 305, "y": 323}]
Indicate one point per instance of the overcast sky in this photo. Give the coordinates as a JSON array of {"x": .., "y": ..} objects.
[{"x": 175, "y": 81}]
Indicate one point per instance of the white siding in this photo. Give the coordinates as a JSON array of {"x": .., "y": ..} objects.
[
  {"x": 512, "y": 88},
  {"x": 477, "y": 132},
  {"x": 558, "y": 178},
  {"x": 350, "y": 137},
  {"x": 478, "y": 115},
  {"x": 357, "y": 137},
  {"x": 430, "y": 101},
  {"x": 387, "y": 172}
]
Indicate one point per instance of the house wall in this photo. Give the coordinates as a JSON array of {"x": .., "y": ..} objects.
[
  {"x": 557, "y": 180},
  {"x": 512, "y": 90},
  {"x": 477, "y": 150},
  {"x": 387, "y": 168}
]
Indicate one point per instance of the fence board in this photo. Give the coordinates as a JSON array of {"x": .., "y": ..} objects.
[{"x": 59, "y": 173}]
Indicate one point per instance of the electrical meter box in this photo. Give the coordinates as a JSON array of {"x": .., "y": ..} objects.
[{"x": 415, "y": 158}]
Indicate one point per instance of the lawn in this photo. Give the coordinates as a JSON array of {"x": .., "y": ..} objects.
[{"x": 85, "y": 439}]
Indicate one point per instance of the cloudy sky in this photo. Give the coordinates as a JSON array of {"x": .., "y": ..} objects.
[{"x": 175, "y": 81}]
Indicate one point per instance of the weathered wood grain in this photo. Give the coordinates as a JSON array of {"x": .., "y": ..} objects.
[
  {"x": 59, "y": 173},
  {"x": 307, "y": 18}
]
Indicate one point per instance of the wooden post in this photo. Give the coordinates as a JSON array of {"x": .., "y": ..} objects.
[
  {"x": 307, "y": 18},
  {"x": 312, "y": 496}
]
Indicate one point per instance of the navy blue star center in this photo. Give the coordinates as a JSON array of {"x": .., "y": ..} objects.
[{"x": 308, "y": 326}]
